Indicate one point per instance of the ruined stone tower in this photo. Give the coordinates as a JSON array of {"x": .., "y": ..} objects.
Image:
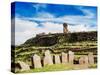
[{"x": 65, "y": 28}]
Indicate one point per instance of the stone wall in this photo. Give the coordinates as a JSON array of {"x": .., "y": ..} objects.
[{"x": 64, "y": 58}]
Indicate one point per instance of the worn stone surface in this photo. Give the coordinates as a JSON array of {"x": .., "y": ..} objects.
[
  {"x": 91, "y": 58},
  {"x": 65, "y": 28},
  {"x": 36, "y": 61},
  {"x": 47, "y": 58},
  {"x": 64, "y": 57},
  {"x": 81, "y": 60},
  {"x": 70, "y": 57},
  {"x": 23, "y": 66},
  {"x": 86, "y": 60},
  {"x": 57, "y": 59}
]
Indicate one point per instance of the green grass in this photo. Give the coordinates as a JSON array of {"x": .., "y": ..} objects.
[
  {"x": 93, "y": 66},
  {"x": 57, "y": 67}
]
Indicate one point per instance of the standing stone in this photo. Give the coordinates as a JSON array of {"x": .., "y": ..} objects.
[
  {"x": 36, "y": 61},
  {"x": 48, "y": 58},
  {"x": 57, "y": 59},
  {"x": 71, "y": 57},
  {"x": 65, "y": 28},
  {"x": 91, "y": 58},
  {"x": 81, "y": 60},
  {"x": 64, "y": 58},
  {"x": 23, "y": 66},
  {"x": 86, "y": 59}
]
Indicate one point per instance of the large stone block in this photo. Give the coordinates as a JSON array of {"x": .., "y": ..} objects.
[
  {"x": 71, "y": 57},
  {"x": 86, "y": 60},
  {"x": 48, "y": 60},
  {"x": 83, "y": 60},
  {"x": 64, "y": 57},
  {"x": 57, "y": 59},
  {"x": 36, "y": 61},
  {"x": 23, "y": 66},
  {"x": 91, "y": 58}
]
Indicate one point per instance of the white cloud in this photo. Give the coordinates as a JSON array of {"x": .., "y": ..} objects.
[
  {"x": 23, "y": 25},
  {"x": 87, "y": 19},
  {"x": 39, "y": 6},
  {"x": 78, "y": 28},
  {"x": 44, "y": 15},
  {"x": 26, "y": 29},
  {"x": 23, "y": 30}
]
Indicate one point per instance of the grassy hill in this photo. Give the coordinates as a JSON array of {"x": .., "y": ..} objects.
[{"x": 58, "y": 38}]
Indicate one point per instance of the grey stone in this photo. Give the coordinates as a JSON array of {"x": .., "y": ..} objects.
[
  {"x": 47, "y": 58},
  {"x": 36, "y": 61},
  {"x": 64, "y": 57},
  {"x": 91, "y": 58},
  {"x": 23, "y": 66},
  {"x": 71, "y": 57},
  {"x": 57, "y": 59},
  {"x": 81, "y": 61},
  {"x": 86, "y": 59}
]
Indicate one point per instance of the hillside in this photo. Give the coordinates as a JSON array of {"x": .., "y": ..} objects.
[
  {"x": 52, "y": 39},
  {"x": 80, "y": 43}
]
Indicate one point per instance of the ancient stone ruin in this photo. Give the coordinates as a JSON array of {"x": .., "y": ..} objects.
[
  {"x": 64, "y": 58},
  {"x": 91, "y": 58},
  {"x": 36, "y": 61},
  {"x": 65, "y": 28},
  {"x": 23, "y": 66},
  {"x": 48, "y": 60},
  {"x": 57, "y": 59},
  {"x": 70, "y": 57}
]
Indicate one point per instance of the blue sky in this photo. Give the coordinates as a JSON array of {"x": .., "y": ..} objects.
[{"x": 35, "y": 18}]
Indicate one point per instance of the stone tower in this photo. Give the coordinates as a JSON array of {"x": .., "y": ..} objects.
[{"x": 65, "y": 28}]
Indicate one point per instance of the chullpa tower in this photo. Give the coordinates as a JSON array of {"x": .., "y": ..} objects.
[{"x": 65, "y": 28}]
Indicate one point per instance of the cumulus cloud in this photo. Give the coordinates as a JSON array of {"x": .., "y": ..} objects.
[
  {"x": 39, "y": 6},
  {"x": 29, "y": 27},
  {"x": 23, "y": 30},
  {"x": 88, "y": 19},
  {"x": 26, "y": 29}
]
